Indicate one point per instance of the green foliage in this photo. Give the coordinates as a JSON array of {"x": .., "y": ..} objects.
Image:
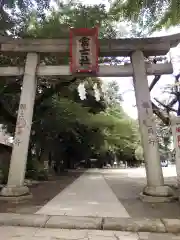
[
  {"x": 65, "y": 16},
  {"x": 64, "y": 127},
  {"x": 155, "y": 13},
  {"x": 35, "y": 170},
  {"x": 14, "y": 14}
]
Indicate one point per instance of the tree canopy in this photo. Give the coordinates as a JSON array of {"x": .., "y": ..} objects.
[
  {"x": 65, "y": 128},
  {"x": 155, "y": 13}
]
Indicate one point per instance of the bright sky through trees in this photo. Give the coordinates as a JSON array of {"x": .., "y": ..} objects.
[{"x": 125, "y": 84}]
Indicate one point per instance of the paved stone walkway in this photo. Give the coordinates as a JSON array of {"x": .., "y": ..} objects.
[
  {"x": 89, "y": 195},
  {"x": 28, "y": 233}
]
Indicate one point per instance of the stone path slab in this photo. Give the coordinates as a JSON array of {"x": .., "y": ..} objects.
[
  {"x": 28, "y": 233},
  {"x": 89, "y": 195}
]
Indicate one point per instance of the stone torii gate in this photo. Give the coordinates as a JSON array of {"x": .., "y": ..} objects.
[{"x": 136, "y": 49}]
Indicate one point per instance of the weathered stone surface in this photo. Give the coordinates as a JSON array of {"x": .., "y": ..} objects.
[
  {"x": 59, "y": 234},
  {"x": 28, "y": 220},
  {"x": 14, "y": 191},
  {"x": 91, "y": 224},
  {"x": 16, "y": 199},
  {"x": 126, "y": 235},
  {"x": 157, "y": 236},
  {"x": 68, "y": 222},
  {"x": 29, "y": 233},
  {"x": 172, "y": 225},
  {"x": 16, "y": 233},
  {"x": 158, "y": 191},
  {"x": 133, "y": 224},
  {"x": 22, "y": 233},
  {"x": 85, "y": 198},
  {"x": 157, "y": 199}
]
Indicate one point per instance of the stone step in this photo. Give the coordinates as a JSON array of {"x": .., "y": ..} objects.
[{"x": 92, "y": 223}]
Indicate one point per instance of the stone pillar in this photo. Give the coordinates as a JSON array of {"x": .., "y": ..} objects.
[
  {"x": 155, "y": 182},
  {"x": 15, "y": 185},
  {"x": 175, "y": 126}
]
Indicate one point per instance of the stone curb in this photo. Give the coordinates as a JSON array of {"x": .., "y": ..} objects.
[
  {"x": 68, "y": 222},
  {"x": 24, "y": 220},
  {"x": 134, "y": 225},
  {"x": 93, "y": 223}
]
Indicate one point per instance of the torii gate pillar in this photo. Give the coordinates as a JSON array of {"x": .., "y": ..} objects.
[
  {"x": 15, "y": 185},
  {"x": 155, "y": 191}
]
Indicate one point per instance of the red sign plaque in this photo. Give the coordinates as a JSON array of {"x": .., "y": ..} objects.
[{"x": 84, "y": 50}]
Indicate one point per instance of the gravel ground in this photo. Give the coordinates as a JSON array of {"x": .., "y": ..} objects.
[
  {"x": 41, "y": 194},
  {"x": 128, "y": 183},
  {"x": 125, "y": 183}
]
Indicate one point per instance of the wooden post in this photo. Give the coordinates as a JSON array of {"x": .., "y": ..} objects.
[
  {"x": 15, "y": 185},
  {"x": 155, "y": 182}
]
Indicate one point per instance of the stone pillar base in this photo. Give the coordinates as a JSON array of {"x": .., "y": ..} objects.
[
  {"x": 14, "y": 191},
  {"x": 157, "y": 194}
]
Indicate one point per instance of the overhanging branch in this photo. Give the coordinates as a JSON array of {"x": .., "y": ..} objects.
[
  {"x": 155, "y": 108},
  {"x": 174, "y": 101},
  {"x": 158, "y": 113},
  {"x": 154, "y": 81},
  {"x": 165, "y": 106}
]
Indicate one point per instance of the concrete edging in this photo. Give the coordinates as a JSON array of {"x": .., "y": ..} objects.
[{"x": 94, "y": 223}]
